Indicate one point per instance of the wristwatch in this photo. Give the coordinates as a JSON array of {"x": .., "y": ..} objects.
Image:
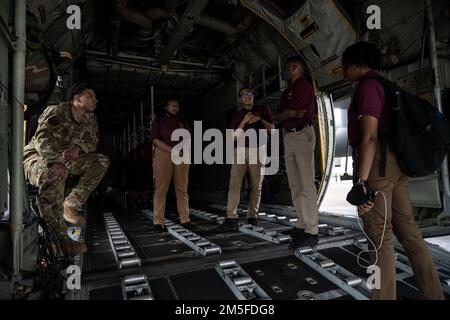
[{"x": 361, "y": 182}]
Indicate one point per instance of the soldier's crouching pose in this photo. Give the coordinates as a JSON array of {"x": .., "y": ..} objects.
[{"x": 65, "y": 143}]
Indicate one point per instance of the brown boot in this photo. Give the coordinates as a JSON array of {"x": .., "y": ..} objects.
[
  {"x": 73, "y": 216},
  {"x": 73, "y": 248}
]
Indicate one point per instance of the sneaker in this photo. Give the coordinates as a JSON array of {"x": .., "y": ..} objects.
[
  {"x": 252, "y": 221},
  {"x": 159, "y": 228},
  {"x": 73, "y": 216},
  {"x": 229, "y": 225},
  {"x": 307, "y": 240}
]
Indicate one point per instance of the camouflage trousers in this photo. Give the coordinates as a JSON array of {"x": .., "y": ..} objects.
[{"x": 91, "y": 168}]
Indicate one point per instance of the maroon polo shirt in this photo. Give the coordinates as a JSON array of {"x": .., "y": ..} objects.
[
  {"x": 164, "y": 126},
  {"x": 262, "y": 111},
  {"x": 368, "y": 99},
  {"x": 299, "y": 95}
]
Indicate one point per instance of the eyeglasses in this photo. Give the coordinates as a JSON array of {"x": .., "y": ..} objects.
[{"x": 247, "y": 94}]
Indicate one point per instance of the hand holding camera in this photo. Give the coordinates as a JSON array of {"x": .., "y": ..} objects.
[{"x": 362, "y": 196}]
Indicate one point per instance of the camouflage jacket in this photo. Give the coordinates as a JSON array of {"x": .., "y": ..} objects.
[{"x": 58, "y": 130}]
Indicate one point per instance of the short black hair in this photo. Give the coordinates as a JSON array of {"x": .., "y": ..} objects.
[
  {"x": 299, "y": 60},
  {"x": 245, "y": 88},
  {"x": 362, "y": 53},
  {"x": 77, "y": 88},
  {"x": 168, "y": 99}
]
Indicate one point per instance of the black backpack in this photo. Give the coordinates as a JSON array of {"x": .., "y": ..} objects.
[{"x": 419, "y": 134}]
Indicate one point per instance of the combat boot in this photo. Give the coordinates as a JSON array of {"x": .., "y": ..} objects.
[
  {"x": 73, "y": 248},
  {"x": 73, "y": 216}
]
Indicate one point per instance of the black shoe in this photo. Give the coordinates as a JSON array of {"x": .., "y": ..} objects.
[
  {"x": 295, "y": 232},
  {"x": 307, "y": 240},
  {"x": 186, "y": 225},
  {"x": 159, "y": 227},
  {"x": 252, "y": 221},
  {"x": 229, "y": 225}
]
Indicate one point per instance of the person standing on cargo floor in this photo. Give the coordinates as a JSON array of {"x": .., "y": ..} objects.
[
  {"x": 250, "y": 117},
  {"x": 297, "y": 110},
  {"x": 163, "y": 167},
  {"x": 65, "y": 143},
  {"x": 369, "y": 119}
]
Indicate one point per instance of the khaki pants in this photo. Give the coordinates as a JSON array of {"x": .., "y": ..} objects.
[
  {"x": 300, "y": 169},
  {"x": 400, "y": 222},
  {"x": 163, "y": 170},
  {"x": 91, "y": 167},
  {"x": 237, "y": 173}
]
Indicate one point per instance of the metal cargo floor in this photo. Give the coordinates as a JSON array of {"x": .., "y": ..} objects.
[{"x": 175, "y": 271}]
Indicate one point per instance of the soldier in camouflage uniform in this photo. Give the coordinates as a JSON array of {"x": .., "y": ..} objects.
[{"x": 65, "y": 143}]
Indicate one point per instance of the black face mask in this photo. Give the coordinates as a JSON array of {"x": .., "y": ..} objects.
[{"x": 286, "y": 75}]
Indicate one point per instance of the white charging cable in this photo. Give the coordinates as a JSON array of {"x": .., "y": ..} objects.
[{"x": 368, "y": 238}]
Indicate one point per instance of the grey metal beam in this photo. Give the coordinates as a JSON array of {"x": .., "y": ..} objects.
[
  {"x": 144, "y": 67},
  {"x": 121, "y": 55},
  {"x": 5, "y": 45},
  {"x": 217, "y": 24},
  {"x": 4, "y": 115},
  {"x": 188, "y": 19},
  {"x": 17, "y": 178}
]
